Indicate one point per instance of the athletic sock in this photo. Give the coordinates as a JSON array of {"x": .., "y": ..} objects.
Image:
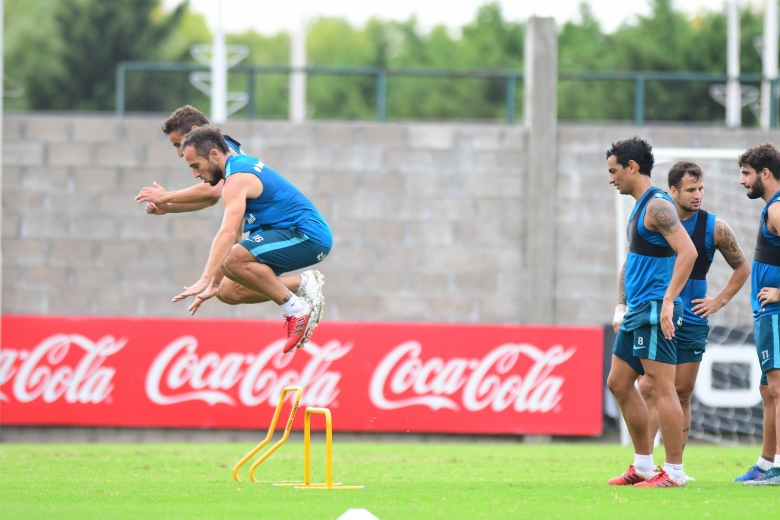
[
  {"x": 777, "y": 460},
  {"x": 293, "y": 306},
  {"x": 674, "y": 470},
  {"x": 643, "y": 463},
  {"x": 764, "y": 464}
]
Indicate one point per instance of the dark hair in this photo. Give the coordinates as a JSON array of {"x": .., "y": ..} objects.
[
  {"x": 634, "y": 149},
  {"x": 762, "y": 156},
  {"x": 204, "y": 139},
  {"x": 183, "y": 119},
  {"x": 680, "y": 169}
]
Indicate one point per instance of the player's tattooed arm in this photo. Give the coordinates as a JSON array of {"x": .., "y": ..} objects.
[
  {"x": 728, "y": 246},
  {"x": 622, "y": 286},
  {"x": 664, "y": 216}
]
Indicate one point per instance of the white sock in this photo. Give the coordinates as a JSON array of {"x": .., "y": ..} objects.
[
  {"x": 674, "y": 470},
  {"x": 764, "y": 464},
  {"x": 293, "y": 306},
  {"x": 643, "y": 463},
  {"x": 777, "y": 460}
]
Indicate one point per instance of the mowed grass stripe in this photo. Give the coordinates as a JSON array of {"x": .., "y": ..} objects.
[{"x": 403, "y": 481}]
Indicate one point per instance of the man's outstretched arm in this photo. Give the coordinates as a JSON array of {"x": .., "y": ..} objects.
[
  {"x": 202, "y": 192},
  {"x": 177, "y": 207},
  {"x": 234, "y": 200}
]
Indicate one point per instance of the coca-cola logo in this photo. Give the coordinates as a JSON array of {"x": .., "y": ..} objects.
[
  {"x": 403, "y": 379},
  {"x": 181, "y": 373},
  {"x": 45, "y": 373}
]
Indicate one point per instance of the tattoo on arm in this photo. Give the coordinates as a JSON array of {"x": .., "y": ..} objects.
[
  {"x": 622, "y": 286},
  {"x": 728, "y": 246},
  {"x": 665, "y": 216}
]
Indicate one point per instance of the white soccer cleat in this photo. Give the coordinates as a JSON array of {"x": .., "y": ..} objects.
[{"x": 311, "y": 292}]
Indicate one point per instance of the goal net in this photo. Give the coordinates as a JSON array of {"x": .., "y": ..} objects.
[{"x": 726, "y": 406}]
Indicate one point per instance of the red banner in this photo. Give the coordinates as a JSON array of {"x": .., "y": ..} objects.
[{"x": 383, "y": 377}]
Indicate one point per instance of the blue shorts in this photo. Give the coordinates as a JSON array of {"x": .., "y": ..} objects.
[
  {"x": 691, "y": 339},
  {"x": 766, "y": 334},
  {"x": 640, "y": 336},
  {"x": 284, "y": 250}
]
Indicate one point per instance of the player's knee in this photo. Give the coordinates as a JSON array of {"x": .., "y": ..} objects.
[
  {"x": 617, "y": 385},
  {"x": 644, "y": 389},
  {"x": 766, "y": 396},
  {"x": 684, "y": 393},
  {"x": 233, "y": 262},
  {"x": 774, "y": 390},
  {"x": 224, "y": 298}
]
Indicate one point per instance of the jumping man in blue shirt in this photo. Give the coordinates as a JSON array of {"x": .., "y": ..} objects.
[
  {"x": 307, "y": 284},
  {"x": 287, "y": 232}
]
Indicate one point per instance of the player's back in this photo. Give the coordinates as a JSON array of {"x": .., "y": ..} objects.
[{"x": 280, "y": 205}]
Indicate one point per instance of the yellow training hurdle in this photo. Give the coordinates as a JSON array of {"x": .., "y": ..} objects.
[
  {"x": 307, "y": 484},
  {"x": 298, "y": 393}
]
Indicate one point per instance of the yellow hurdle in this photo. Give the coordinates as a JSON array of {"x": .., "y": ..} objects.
[
  {"x": 328, "y": 484},
  {"x": 298, "y": 393}
]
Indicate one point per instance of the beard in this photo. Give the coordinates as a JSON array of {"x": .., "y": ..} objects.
[
  {"x": 757, "y": 190},
  {"x": 216, "y": 175}
]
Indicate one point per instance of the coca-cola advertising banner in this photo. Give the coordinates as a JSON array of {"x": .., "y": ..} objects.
[{"x": 383, "y": 377}]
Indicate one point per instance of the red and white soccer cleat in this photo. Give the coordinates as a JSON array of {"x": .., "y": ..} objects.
[
  {"x": 662, "y": 480},
  {"x": 297, "y": 328},
  {"x": 632, "y": 476}
]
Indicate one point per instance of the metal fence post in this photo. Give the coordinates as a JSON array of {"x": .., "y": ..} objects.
[
  {"x": 381, "y": 96},
  {"x": 250, "y": 86},
  {"x": 120, "y": 90},
  {"x": 511, "y": 94},
  {"x": 639, "y": 100}
]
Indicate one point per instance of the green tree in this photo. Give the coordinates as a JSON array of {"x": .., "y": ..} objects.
[{"x": 95, "y": 35}]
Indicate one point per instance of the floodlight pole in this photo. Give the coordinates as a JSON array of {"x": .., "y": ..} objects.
[
  {"x": 733, "y": 88},
  {"x": 769, "y": 56},
  {"x": 219, "y": 72},
  {"x": 297, "y": 76}
]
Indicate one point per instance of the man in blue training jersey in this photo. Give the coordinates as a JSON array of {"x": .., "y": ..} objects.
[
  {"x": 307, "y": 285},
  {"x": 286, "y": 231},
  {"x": 708, "y": 233},
  {"x": 661, "y": 256},
  {"x": 760, "y": 166}
]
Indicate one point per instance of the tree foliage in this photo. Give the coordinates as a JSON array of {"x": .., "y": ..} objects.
[{"x": 65, "y": 55}]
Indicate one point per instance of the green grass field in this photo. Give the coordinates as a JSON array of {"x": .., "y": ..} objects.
[{"x": 402, "y": 481}]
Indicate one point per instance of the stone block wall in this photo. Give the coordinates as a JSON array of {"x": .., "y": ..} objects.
[{"x": 427, "y": 218}]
